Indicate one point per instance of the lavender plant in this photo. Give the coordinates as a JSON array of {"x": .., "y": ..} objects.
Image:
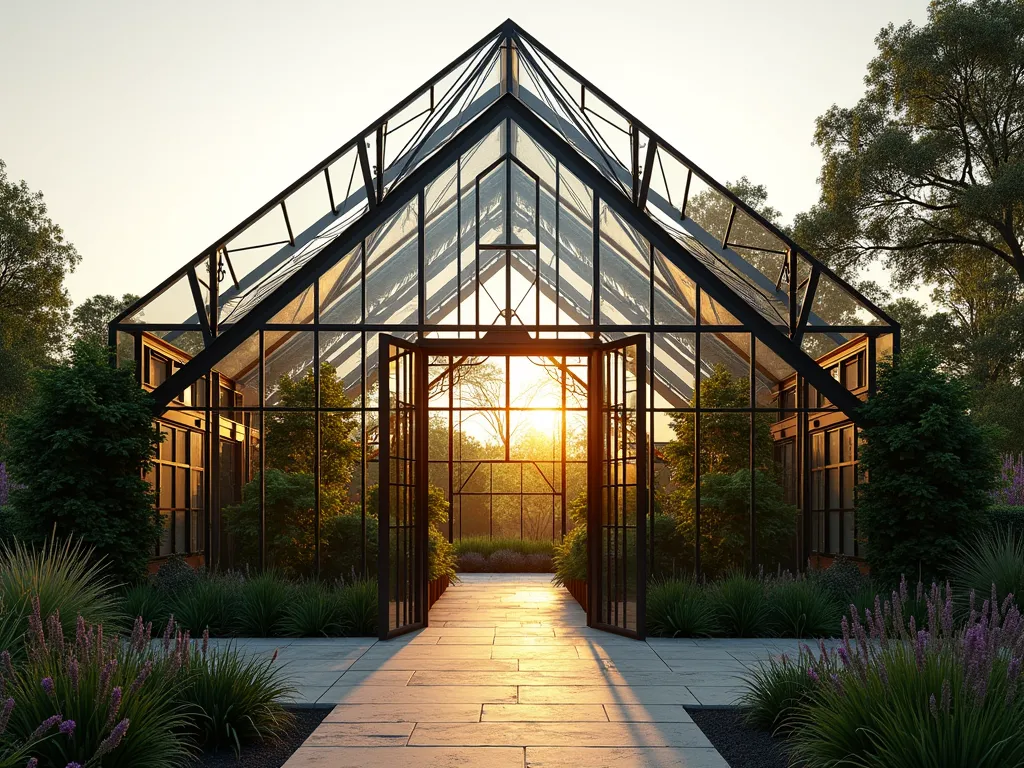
[
  {"x": 1010, "y": 492},
  {"x": 121, "y": 697},
  {"x": 917, "y": 694}
]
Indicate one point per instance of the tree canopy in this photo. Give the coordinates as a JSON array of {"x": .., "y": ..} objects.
[
  {"x": 89, "y": 319},
  {"x": 34, "y": 260},
  {"x": 929, "y": 164}
]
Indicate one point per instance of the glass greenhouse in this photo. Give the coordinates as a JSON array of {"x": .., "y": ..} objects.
[{"x": 506, "y": 308}]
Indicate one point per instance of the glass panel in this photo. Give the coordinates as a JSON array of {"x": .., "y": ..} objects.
[
  {"x": 675, "y": 294},
  {"x": 575, "y": 250},
  {"x": 625, "y": 272},
  {"x": 288, "y": 376},
  {"x": 725, "y": 370},
  {"x": 674, "y": 369},
  {"x": 392, "y": 276}
]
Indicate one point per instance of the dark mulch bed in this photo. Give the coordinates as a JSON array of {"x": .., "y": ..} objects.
[
  {"x": 740, "y": 745},
  {"x": 271, "y": 755}
]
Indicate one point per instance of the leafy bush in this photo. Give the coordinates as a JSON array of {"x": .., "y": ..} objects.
[
  {"x": 679, "y": 608},
  {"x": 263, "y": 602},
  {"x": 778, "y": 687},
  {"x": 78, "y": 453},
  {"x": 146, "y": 602},
  {"x": 741, "y": 606},
  {"x": 341, "y": 555},
  {"x": 472, "y": 562},
  {"x": 931, "y": 468},
  {"x": 238, "y": 696},
  {"x": 507, "y": 561},
  {"x": 124, "y": 703},
  {"x": 539, "y": 562},
  {"x": 486, "y": 545},
  {"x": 314, "y": 611},
  {"x": 992, "y": 560},
  {"x": 673, "y": 553},
  {"x": 175, "y": 576},
  {"x": 941, "y": 696},
  {"x": 1006, "y": 517},
  {"x": 64, "y": 577},
  {"x": 571, "y": 556},
  {"x": 842, "y": 579},
  {"x": 358, "y": 608},
  {"x": 210, "y": 605},
  {"x": 802, "y": 608}
]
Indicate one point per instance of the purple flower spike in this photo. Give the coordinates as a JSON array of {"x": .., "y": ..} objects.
[
  {"x": 115, "y": 705},
  {"x": 5, "y": 714},
  {"x": 115, "y": 738},
  {"x": 47, "y": 684},
  {"x": 32, "y": 763},
  {"x": 46, "y": 725},
  {"x": 73, "y": 765},
  {"x": 67, "y": 727},
  {"x": 813, "y": 675}
]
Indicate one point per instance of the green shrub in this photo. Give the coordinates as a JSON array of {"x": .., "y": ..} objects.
[
  {"x": 931, "y": 466},
  {"x": 992, "y": 560},
  {"x": 741, "y": 606},
  {"x": 673, "y": 553},
  {"x": 263, "y": 601},
  {"x": 146, "y": 602},
  {"x": 358, "y": 608},
  {"x": 538, "y": 562},
  {"x": 105, "y": 685},
  {"x": 66, "y": 579},
  {"x": 77, "y": 455},
  {"x": 237, "y": 696},
  {"x": 888, "y": 718},
  {"x": 1006, "y": 517},
  {"x": 486, "y": 545},
  {"x": 679, "y": 608},
  {"x": 314, "y": 611},
  {"x": 210, "y": 605},
  {"x": 571, "y": 556},
  {"x": 472, "y": 562},
  {"x": 776, "y": 690},
  {"x": 175, "y": 576},
  {"x": 341, "y": 555},
  {"x": 842, "y": 579},
  {"x": 802, "y": 608},
  {"x": 507, "y": 561}
]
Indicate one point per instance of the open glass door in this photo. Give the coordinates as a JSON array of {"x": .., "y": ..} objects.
[
  {"x": 402, "y": 508},
  {"x": 617, "y": 516}
]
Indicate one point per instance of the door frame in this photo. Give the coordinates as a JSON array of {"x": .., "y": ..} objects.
[
  {"x": 421, "y": 520},
  {"x": 596, "y": 454},
  {"x": 515, "y": 342}
]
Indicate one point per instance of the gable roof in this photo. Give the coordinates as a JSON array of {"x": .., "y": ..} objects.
[{"x": 702, "y": 232}]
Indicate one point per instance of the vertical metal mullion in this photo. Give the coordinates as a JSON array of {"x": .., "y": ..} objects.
[
  {"x": 476, "y": 287},
  {"x": 383, "y": 488},
  {"x": 696, "y": 444},
  {"x": 508, "y": 408},
  {"x": 508, "y": 225},
  {"x": 596, "y": 307},
  {"x": 564, "y": 483},
  {"x": 558, "y": 287},
  {"x": 643, "y": 505},
  {"x": 536, "y": 240},
  {"x": 263, "y": 451},
  {"x": 421, "y": 262},
  {"x": 458, "y": 243},
  {"x": 753, "y": 448},
  {"x": 451, "y": 449},
  {"x": 316, "y": 430},
  {"x": 362, "y": 451}
]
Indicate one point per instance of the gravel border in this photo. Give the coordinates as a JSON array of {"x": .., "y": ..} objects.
[
  {"x": 271, "y": 754},
  {"x": 740, "y": 745}
]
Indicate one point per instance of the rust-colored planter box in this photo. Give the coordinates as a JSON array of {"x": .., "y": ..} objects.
[
  {"x": 578, "y": 589},
  {"x": 435, "y": 589}
]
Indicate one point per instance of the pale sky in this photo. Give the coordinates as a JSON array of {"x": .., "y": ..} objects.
[{"x": 152, "y": 129}]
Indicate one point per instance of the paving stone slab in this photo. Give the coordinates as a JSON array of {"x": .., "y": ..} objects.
[
  {"x": 569, "y": 757},
  {"x": 405, "y": 757},
  {"x": 568, "y": 734}
]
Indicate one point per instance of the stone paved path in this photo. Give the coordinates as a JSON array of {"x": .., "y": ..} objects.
[{"x": 508, "y": 674}]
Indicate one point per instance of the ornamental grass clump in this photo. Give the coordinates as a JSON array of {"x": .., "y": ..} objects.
[
  {"x": 679, "y": 608},
  {"x": 113, "y": 703},
  {"x": 802, "y": 608},
  {"x": 910, "y": 694},
  {"x": 237, "y": 695},
  {"x": 778, "y": 687}
]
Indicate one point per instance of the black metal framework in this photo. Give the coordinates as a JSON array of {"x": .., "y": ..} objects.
[
  {"x": 618, "y": 513},
  {"x": 402, "y": 556},
  {"x": 508, "y": 194}
]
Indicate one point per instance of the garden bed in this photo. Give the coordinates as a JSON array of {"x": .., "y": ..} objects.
[
  {"x": 741, "y": 745},
  {"x": 272, "y": 754}
]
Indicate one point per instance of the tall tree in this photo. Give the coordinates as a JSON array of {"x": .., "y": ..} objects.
[
  {"x": 931, "y": 159},
  {"x": 89, "y": 319},
  {"x": 34, "y": 259}
]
